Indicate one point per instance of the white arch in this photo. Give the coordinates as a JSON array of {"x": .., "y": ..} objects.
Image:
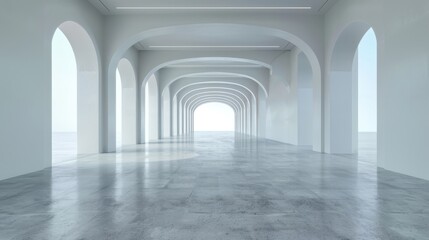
[
  {"x": 341, "y": 124},
  {"x": 186, "y": 57},
  {"x": 260, "y": 76},
  {"x": 88, "y": 85},
  {"x": 187, "y": 114},
  {"x": 248, "y": 105},
  {"x": 129, "y": 36},
  {"x": 198, "y": 95},
  {"x": 119, "y": 46},
  {"x": 198, "y": 102},
  {"x": 233, "y": 82},
  {"x": 181, "y": 84},
  {"x": 231, "y": 96},
  {"x": 243, "y": 90},
  {"x": 192, "y": 92},
  {"x": 232, "y": 104},
  {"x": 254, "y": 108}
]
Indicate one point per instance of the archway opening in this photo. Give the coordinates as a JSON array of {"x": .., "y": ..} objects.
[
  {"x": 352, "y": 92},
  {"x": 168, "y": 32},
  {"x": 214, "y": 117},
  {"x": 85, "y": 98},
  {"x": 151, "y": 109},
  {"x": 64, "y": 99},
  {"x": 367, "y": 95}
]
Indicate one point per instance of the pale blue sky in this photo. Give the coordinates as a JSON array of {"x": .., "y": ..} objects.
[
  {"x": 367, "y": 84},
  {"x": 64, "y": 85}
]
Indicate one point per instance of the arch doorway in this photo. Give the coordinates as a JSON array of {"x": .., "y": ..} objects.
[
  {"x": 353, "y": 91},
  {"x": 75, "y": 93}
]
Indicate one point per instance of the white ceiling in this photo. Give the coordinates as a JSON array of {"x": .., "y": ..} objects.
[
  {"x": 111, "y": 6},
  {"x": 216, "y": 38}
]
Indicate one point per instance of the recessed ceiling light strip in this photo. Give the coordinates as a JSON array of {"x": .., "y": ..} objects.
[
  {"x": 213, "y": 66},
  {"x": 213, "y": 8},
  {"x": 214, "y": 46}
]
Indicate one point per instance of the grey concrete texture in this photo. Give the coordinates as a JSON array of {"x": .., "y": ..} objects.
[{"x": 215, "y": 186}]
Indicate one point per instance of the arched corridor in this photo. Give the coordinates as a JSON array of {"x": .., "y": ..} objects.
[{"x": 260, "y": 119}]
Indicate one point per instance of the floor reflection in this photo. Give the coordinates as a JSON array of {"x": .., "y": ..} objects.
[{"x": 216, "y": 186}]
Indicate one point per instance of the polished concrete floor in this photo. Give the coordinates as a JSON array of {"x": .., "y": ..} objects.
[{"x": 215, "y": 186}]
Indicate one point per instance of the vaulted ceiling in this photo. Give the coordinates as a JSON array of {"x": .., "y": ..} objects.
[{"x": 214, "y": 38}]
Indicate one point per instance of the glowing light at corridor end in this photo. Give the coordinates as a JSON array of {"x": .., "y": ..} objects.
[{"x": 214, "y": 117}]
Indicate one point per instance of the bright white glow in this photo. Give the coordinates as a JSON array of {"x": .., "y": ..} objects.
[
  {"x": 64, "y": 85},
  {"x": 118, "y": 109},
  {"x": 367, "y": 83},
  {"x": 213, "y": 8},
  {"x": 214, "y": 117},
  {"x": 210, "y": 46}
]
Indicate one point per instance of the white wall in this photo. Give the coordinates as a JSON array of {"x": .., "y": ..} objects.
[
  {"x": 281, "y": 123},
  {"x": 305, "y": 100},
  {"x": 166, "y": 113},
  {"x": 151, "y": 109},
  {"x": 403, "y": 76},
  {"x": 174, "y": 117},
  {"x": 25, "y": 85},
  {"x": 290, "y": 100},
  {"x": 126, "y": 93},
  {"x": 262, "y": 113}
]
